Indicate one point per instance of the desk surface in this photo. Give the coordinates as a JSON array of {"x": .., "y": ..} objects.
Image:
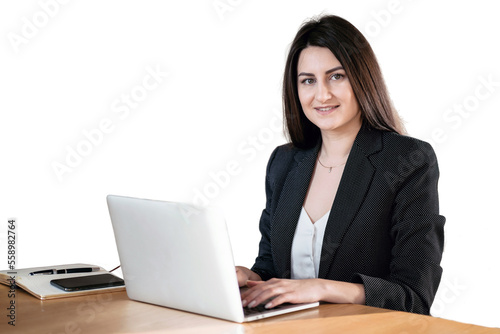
[{"x": 115, "y": 313}]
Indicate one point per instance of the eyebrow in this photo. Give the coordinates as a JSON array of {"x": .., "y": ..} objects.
[{"x": 327, "y": 72}]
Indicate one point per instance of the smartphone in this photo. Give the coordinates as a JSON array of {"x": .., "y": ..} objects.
[{"x": 87, "y": 282}]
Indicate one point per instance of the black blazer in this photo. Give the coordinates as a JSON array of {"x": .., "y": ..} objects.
[{"x": 384, "y": 230}]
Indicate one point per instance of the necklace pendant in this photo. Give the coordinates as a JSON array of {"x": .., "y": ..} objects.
[{"x": 330, "y": 170}]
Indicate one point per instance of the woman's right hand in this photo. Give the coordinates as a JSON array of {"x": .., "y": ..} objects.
[{"x": 244, "y": 274}]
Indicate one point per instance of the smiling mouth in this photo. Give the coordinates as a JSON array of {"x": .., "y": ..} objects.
[{"x": 326, "y": 110}]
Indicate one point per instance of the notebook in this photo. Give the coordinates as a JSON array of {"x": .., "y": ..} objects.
[
  {"x": 179, "y": 256},
  {"x": 40, "y": 287}
]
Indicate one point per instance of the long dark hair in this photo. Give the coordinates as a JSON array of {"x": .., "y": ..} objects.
[{"x": 356, "y": 56}]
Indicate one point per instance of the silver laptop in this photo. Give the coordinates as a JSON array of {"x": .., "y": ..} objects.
[{"x": 179, "y": 256}]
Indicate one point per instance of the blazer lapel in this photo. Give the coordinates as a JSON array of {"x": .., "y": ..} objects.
[
  {"x": 354, "y": 184},
  {"x": 288, "y": 209}
]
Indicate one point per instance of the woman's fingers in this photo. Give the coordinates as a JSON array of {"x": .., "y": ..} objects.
[
  {"x": 278, "y": 291},
  {"x": 244, "y": 274},
  {"x": 261, "y": 292},
  {"x": 241, "y": 276},
  {"x": 251, "y": 284}
]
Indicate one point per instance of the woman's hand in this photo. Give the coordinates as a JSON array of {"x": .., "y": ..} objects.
[
  {"x": 301, "y": 291},
  {"x": 283, "y": 291},
  {"x": 244, "y": 274}
]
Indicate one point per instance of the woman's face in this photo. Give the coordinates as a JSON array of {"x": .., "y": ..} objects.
[{"x": 325, "y": 92}]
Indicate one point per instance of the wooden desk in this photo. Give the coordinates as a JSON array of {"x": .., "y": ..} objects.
[{"x": 115, "y": 313}]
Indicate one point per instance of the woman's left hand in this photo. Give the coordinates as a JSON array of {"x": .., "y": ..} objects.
[{"x": 283, "y": 291}]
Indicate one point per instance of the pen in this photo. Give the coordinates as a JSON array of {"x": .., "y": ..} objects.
[{"x": 65, "y": 271}]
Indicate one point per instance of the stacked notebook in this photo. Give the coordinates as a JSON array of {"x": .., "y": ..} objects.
[{"x": 39, "y": 285}]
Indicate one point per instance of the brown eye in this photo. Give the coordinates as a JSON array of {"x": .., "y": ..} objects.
[
  {"x": 308, "y": 81},
  {"x": 337, "y": 76}
]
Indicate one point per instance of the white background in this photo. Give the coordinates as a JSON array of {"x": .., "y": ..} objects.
[{"x": 66, "y": 68}]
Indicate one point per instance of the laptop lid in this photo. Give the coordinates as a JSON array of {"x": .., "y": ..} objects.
[
  {"x": 179, "y": 256},
  {"x": 176, "y": 255}
]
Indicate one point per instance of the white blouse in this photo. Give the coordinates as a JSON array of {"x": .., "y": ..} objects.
[{"x": 306, "y": 246}]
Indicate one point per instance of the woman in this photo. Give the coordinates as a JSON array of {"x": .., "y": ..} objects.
[{"x": 352, "y": 210}]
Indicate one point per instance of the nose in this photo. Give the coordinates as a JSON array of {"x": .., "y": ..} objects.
[{"x": 323, "y": 92}]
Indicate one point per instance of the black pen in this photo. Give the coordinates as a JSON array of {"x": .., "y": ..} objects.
[{"x": 65, "y": 271}]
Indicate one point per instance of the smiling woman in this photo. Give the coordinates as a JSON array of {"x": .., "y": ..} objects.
[
  {"x": 325, "y": 94},
  {"x": 345, "y": 221},
  {"x": 353, "y": 53}
]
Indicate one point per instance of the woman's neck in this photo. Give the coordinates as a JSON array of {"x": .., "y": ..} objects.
[{"x": 336, "y": 145}]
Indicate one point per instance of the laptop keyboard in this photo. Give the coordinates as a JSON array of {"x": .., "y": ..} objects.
[
  {"x": 255, "y": 310},
  {"x": 261, "y": 309}
]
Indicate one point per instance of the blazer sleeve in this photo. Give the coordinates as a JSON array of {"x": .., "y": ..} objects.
[
  {"x": 264, "y": 265},
  {"x": 417, "y": 231}
]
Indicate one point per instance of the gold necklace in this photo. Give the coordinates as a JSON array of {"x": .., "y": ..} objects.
[{"x": 335, "y": 166}]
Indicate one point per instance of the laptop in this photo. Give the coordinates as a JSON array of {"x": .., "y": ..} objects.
[{"x": 179, "y": 256}]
